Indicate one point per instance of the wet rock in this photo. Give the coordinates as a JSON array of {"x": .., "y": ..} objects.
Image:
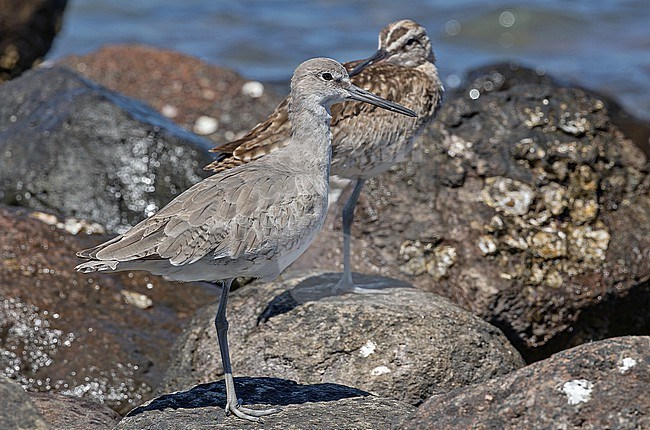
[
  {"x": 77, "y": 334},
  {"x": 304, "y": 407},
  {"x": 27, "y": 29},
  {"x": 404, "y": 344},
  {"x": 594, "y": 386},
  {"x": 72, "y": 413},
  {"x": 543, "y": 200},
  {"x": 69, "y": 145},
  {"x": 207, "y": 99},
  {"x": 16, "y": 410}
]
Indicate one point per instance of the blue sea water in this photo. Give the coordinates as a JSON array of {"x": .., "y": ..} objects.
[{"x": 602, "y": 45}]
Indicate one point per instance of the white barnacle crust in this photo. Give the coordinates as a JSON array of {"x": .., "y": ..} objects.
[
  {"x": 380, "y": 370},
  {"x": 578, "y": 391},
  {"x": 626, "y": 364},
  {"x": 367, "y": 349},
  {"x": 507, "y": 195}
]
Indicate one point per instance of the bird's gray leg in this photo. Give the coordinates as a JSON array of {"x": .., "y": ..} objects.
[
  {"x": 345, "y": 285},
  {"x": 232, "y": 403}
]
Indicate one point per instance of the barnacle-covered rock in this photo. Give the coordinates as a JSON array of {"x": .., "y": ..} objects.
[{"x": 548, "y": 210}]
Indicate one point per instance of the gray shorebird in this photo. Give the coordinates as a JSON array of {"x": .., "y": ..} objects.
[
  {"x": 253, "y": 220},
  {"x": 366, "y": 141}
]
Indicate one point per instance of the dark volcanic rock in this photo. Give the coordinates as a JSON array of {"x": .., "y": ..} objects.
[
  {"x": 69, "y": 145},
  {"x": 181, "y": 87},
  {"x": 72, "y": 413},
  {"x": 27, "y": 29},
  {"x": 304, "y": 407},
  {"x": 16, "y": 410},
  {"x": 601, "y": 385},
  {"x": 405, "y": 344},
  {"x": 522, "y": 203},
  {"x": 101, "y": 336}
]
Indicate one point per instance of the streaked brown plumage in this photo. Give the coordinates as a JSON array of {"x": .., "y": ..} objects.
[{"x": 366, "y": 141}]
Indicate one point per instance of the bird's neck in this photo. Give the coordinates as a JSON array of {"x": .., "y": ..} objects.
[{"x": 311, "y": 140}]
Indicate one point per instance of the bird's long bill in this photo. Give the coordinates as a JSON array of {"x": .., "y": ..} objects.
[
  {"x": 375, "y": 58},
  {"x": 358, "y": 94}
]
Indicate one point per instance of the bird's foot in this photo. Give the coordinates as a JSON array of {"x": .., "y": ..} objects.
[
  {"x": 247, "y": 413},
  {"x": 345, "y": 286}
]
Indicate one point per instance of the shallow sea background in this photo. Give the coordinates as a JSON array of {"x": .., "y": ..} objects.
[{"x": 598, "y": 44}]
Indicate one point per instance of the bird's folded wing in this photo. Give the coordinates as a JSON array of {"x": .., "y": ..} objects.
[
  {"x": 265, "y": 137},
  {"x": 227, "y": 215}
]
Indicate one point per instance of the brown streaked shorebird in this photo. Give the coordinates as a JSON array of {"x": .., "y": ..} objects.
[
  {"x": 366, "y": 141},
  {"x": 253, "y": 220}
]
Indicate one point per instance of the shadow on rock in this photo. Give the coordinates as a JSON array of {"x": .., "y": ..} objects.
[
  {"x": 254, "y": 391},
  {"x": 303, "y": 407},
  {"x": 319, "y": 287}
]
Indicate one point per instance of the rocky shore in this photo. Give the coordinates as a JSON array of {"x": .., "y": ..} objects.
[{"x": 514, "y": 247}]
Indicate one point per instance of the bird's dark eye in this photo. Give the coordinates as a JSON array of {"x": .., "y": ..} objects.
[
  {"x": 327, "y": 76},
  {"x": 410, "y": 42}
]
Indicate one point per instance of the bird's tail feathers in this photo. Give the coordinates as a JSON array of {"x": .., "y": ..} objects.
[{"x": 97, "y": 266}]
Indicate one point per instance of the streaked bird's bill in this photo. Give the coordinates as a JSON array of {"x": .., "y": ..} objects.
[
  {"x": 358, "y": 94},
  {"x": 381, "y": 54}
]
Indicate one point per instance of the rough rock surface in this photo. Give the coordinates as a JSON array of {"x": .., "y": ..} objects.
[
  {"x": 601, "y": 385},
  {"x": 304, "y": 407},
  {"x": 72, "y": 413},
  {"x": 405, "y": 344},
  {"x": 106, "y": 337},
  {"x": 70, "y": 145},
  {"x": 517, "y": 205},
  {"x": 27, "y": 29},
  {"x": 16, "y": 411},
  {"x": 181, "y": 87}
]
